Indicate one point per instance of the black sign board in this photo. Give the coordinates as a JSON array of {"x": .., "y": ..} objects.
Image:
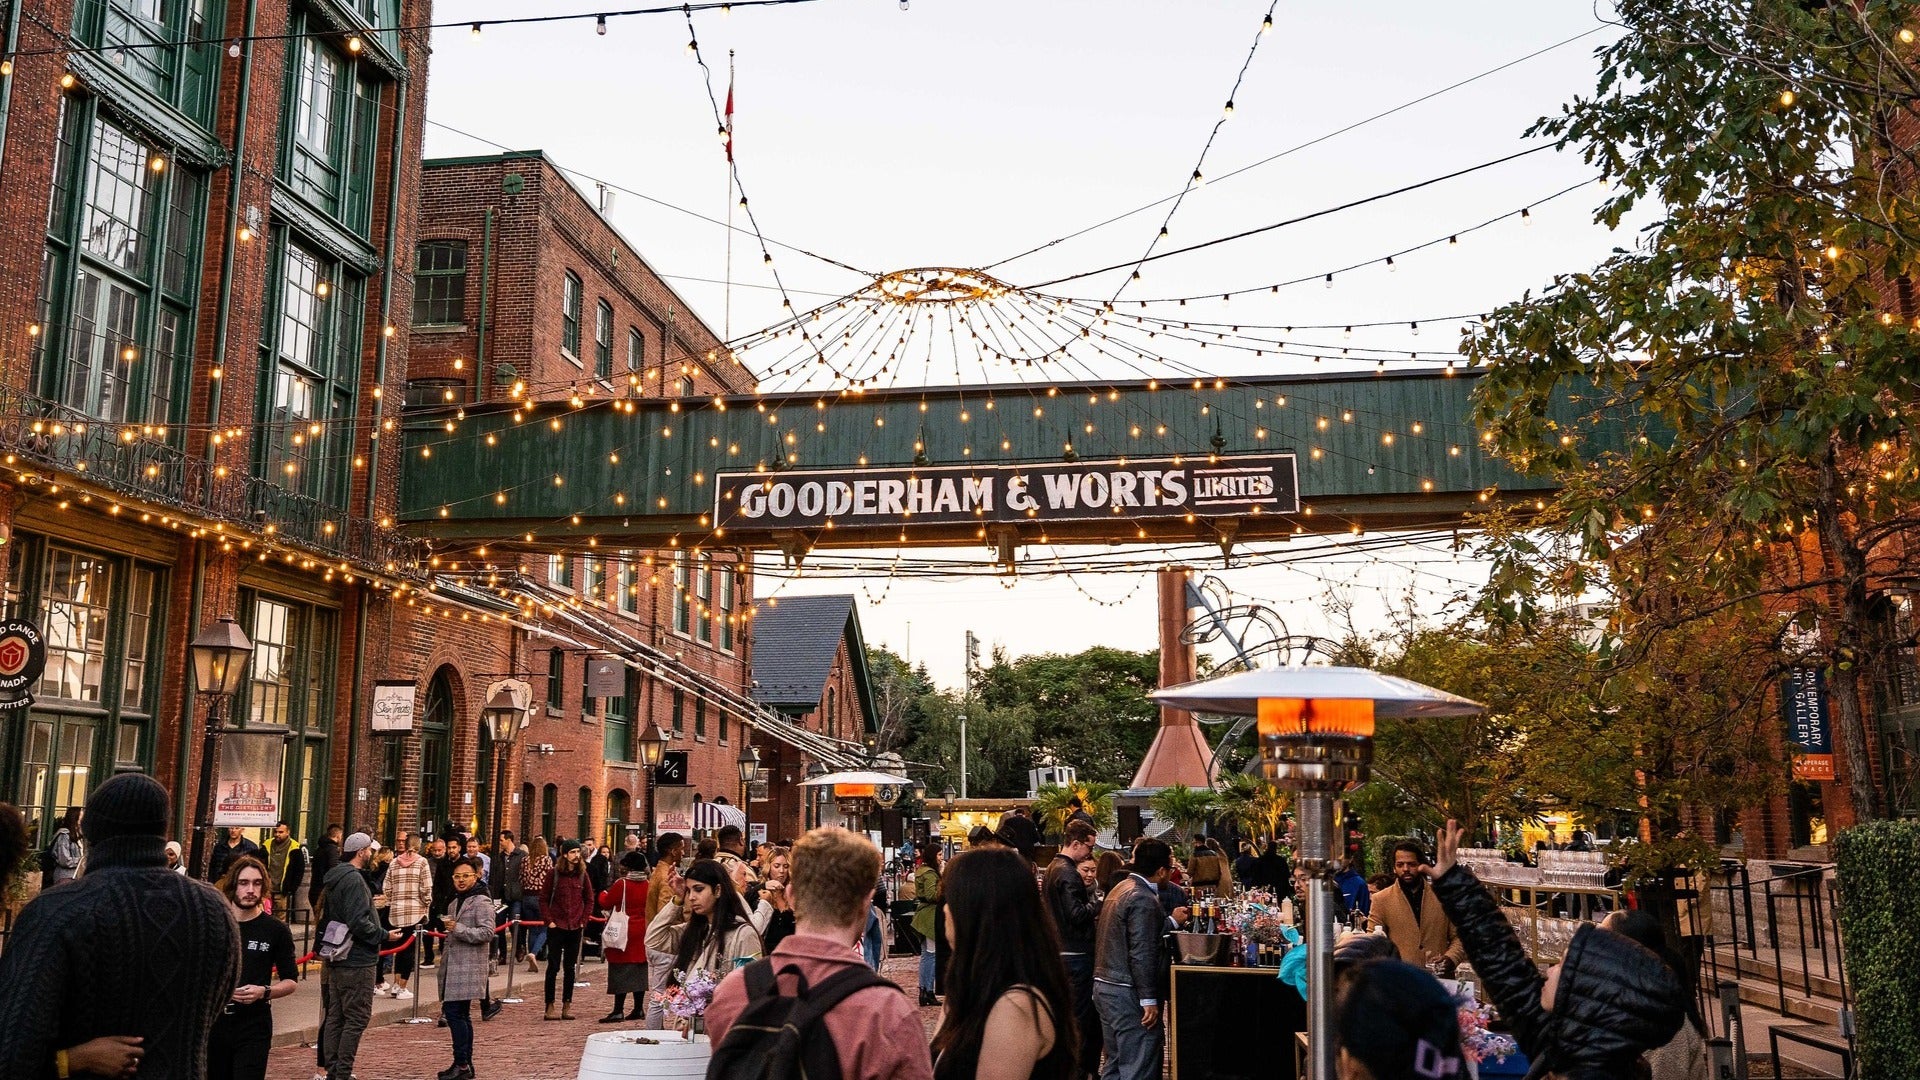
[
  {"x": 673, "y": 769},
  {"x": 1221, "y": 486},
  {"x": 23, "y": 656}
]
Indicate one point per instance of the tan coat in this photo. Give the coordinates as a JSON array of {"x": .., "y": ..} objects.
[{"x": 1432, "y": 936}]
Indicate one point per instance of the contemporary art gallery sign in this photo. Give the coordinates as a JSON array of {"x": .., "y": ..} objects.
[{"x": 1227, "y": 486}]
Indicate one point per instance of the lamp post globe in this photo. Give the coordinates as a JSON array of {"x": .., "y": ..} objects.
[{"x": 749, "y": 763}]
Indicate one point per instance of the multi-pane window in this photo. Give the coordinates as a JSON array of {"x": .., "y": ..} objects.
[
  {"x": 679, "y": 711},
  {"x": 684, "y": 388},
  {"x": 570, "y": 301},
  {"x": 699, "y": 718},
  {"x": 330, "y": 123},
  {"x": 75, "y": 596},
  {"x": 559, "y": 571},
  {"x": 271, "y": 701},
  {"x": 703, "y": 584},
  {"x": 119, "y": 273},
  {"x": 682, "y": 603},
  {"x": 636, "y": 349},
  {"x": 142, "y": 595},
  {"x": 169, "y": 48},
  {"x": 629, "y": 584},
  {"x": 586, "y": 815},
  {"x": 596, "y": 583},
  {"x": 440, "y": 283},
  {"x": 588, "y": 703},
  {"x": 603, "y": 341},
  {"x": 556, "y": 680},
  {"x": 724, "y": 616},
  {"x": 307, "y": 403},
  {"x": 549, "y": 806},
  {"x": 617, "y": 739},
  {"x": 290, "y": 684},
  {"x": 723, "y": 726},
  {"x": 319, "y": 104}
]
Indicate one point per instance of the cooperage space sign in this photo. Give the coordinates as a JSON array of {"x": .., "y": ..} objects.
[{"x": 1227, "y": 486}]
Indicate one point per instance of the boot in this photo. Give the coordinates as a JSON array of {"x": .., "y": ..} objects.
[
  {"x": 552, "y": 1013},
  {"x": 927, "y": 1000},
  {"x": 566, "y": 1011},
  {"x": 451, "y": 1072},
  {"x": 614, "y": 1017}
]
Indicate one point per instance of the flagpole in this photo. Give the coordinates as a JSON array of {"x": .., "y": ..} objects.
[{"x": 726, "y": 311}]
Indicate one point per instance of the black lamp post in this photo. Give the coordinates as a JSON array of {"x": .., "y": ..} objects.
[
  {"x": 502, "y": 715},
  {"x": 219, "y": 666},
  {"x": 653, "y": 750},
  {"x": 749, "y": 763}
]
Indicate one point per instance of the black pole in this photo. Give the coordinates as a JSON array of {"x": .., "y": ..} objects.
[
  {"x": 499, "y": 792},
  {"x": 202, "y": 856},
  {"x": 653, "y": 823}
]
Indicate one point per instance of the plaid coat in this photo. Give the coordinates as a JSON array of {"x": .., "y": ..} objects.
[{"x": 463, "y": 966}]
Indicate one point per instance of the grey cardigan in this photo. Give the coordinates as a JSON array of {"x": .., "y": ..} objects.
[{"x": 463, "y": 967}]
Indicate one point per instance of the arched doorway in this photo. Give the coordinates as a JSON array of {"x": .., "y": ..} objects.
[
  {"x": 619, "y": 812},
  {"x": 436, "y": 752}
]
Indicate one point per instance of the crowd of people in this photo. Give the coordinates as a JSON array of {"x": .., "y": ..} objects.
[{"x": 1054, "y": 971}]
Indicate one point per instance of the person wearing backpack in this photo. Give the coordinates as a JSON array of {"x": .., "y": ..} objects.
[
  {"x": 349, "y": 975},
  {"x": 814, "y": 1008}
]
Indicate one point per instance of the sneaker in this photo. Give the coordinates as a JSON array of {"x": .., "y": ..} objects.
[
  {"x": 403, "y": 995},
  {"x": 426, "y": 965},
  {"x": 384, "y": 989}
]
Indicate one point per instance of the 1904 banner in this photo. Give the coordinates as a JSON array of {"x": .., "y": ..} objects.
[
  {"x": 248, "y": 790},
  {"x": 1223, "y": 486}
]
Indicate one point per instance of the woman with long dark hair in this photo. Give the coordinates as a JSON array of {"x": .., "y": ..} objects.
[
  {"x": 705, "y": 925},
  {"x": 1007, "y": 987}
]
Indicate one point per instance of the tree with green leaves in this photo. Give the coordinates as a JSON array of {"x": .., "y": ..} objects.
[
  {"x": 1090, "y": 709},
  {"x": 1053, "y": 804},
  {"x": 1254, "y": 804},
  {"x": 1182, "y": 807},
  {"x": 1756, "y": 337}
]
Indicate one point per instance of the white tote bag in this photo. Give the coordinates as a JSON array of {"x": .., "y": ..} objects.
[{"x": 614, "y": 934}]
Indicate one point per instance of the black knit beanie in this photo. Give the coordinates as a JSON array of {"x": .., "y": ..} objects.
[{"x": 130, "y": 804}]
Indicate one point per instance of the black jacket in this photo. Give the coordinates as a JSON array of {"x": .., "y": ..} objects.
[
  {"x": 326, "y": 856},
  {"x": 1128, "y": 938},
  {"x": 132, "y": 948},
  {"x": 1073, "y": 909},
  {"x": 224, "y": 854},
  {"x": 506, "y": 885},
  {"x": 1615, "y": 1001},
  {"x": 442, "y": 885},
  {"x": 349, "y": 900}
]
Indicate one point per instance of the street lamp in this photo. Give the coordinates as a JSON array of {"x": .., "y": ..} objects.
[
  {"x": 653, "y": 750},
  {"x": 502, "y": 715},
  {"x": 1316, "y": 739},
  {"x": 749, "y": 764},
  {"x": 220, "y": 656}
]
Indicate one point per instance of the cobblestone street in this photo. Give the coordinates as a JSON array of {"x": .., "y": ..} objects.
[{"x": 517, "y": 1045}]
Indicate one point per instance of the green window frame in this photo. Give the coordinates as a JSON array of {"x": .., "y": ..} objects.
[
  {"x": 309, "y": 373},
  {"x": 629, "y": 584},
  {"x": 617, "y": 737},
  {"x": 556, "y": 680},
  {"x": 436, "y": 753},
  {"x": 679, "y": 711},
  {"x": 120, "y": 274},
  {"x": 725, "y": 615},
  {"x": 170, "y": 50},
  {"x": 330, "y": 125},
  {"x": 603, "y": 341},
  {"x": 571, "y": 298},
  {"x": 589, "y": 705},
  {"x": 586, "y": 815},
  {"x": 703, "y": 588},
  {"x": 440, "y": 283},
  {"x": 289, "y": 685},
  {"x": 723, "y": 726},
  {"x": 636, "y": 349},
  {"x": 549, "y": 810},
  {"x": 682, "y": 603}
]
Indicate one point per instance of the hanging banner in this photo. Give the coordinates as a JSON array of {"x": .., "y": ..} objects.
[
  {"x": 1803, "y": 704},
  {"x": 606, "y": 678},
  {"x": 673, "y": 810},
  {"x": 247, "y": 793},
  {"x": 1223, "y": 486},
  {"x": 758, "y": 831},
  {"x": 393, "y": 706}
]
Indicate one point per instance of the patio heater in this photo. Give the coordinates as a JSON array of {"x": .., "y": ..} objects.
[
  {"x": 1316, "y": 740},
  {"x": 854, "y": 792}
]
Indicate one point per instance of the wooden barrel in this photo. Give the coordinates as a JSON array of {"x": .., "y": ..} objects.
[{"x": 616, "y": 1055}]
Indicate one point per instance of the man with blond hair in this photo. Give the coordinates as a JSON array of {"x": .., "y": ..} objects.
[{"x": 866, "y": 1024}]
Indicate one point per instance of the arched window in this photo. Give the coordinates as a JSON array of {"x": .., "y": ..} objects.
[
  {"x": 585, "y": 831},
  {"x": 436, "y": 751}
]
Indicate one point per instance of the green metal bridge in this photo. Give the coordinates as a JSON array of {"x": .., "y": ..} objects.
[{"x": 1143, "y": 462}]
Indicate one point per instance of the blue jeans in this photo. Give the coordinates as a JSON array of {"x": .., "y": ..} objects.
[
  {"x": 1133, "y": 1052},
  {"x": 460, "y": 1026},
  {"x": 927, "y": 958},
  {"x": 536, "y": 935}
]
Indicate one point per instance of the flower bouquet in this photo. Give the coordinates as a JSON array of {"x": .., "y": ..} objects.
[
  {"x": 1477, "y": 1040},
  {"x": 686, "y": 1000},
  {"x": 1263, "y": 926}
]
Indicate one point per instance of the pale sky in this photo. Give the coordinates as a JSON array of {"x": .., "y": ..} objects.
[{"x": 960, "y": 133}]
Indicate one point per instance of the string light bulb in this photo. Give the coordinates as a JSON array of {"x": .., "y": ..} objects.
[
  {"x": 1266, "y": 25},
  {"x": 1786, "y": 99},
  {"x": 66, "y": 80},
  {"x": 600, "y": 25},
  {"x": 474, "y": 34},
  {"x": 1906, "y": 36},
  {"x": 354, "y": 45}
]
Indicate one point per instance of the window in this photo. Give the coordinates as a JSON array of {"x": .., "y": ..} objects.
[
  {"x": 75, "y": 595},
  {"x": 588, "y": 704},
  {"x": 570, "y": 298},
  {"x": 120, "y": 272},
  {"x": 431, "y": 392},
  {"x": 682, "y": 618},
  {"x": 679, "y": 711},
  {"x": 723, "y": 727},
  {"x": 617, "y": 738},
  {"x": 165, "y": 48},
  {"x": 703, "y": 585},
  {"x": 290, "y": 685},
  {"x": 549, "y": 811},
  {"x": 636, "y": 349},
  {"x": 830, "y": 721},
  {"x": 329, "y": 127},
  {"x": 585, "y": 832},
  {"x": 699, "y": 718},
  {"x": 556, "y": 676},
  {"x": 684, "y": 388},
  {"x": 312, "y": 372},
  {"x": 440, "y": 283},
  {"x": 725, "y": 615},
  {"x": 603, "y": 341},
  {"x": 436, "y": 752},
  {"x": 619, "y": 810},
  {"x": 596, "y": 578},
  {"x": 559, "y": 571},
  {"x": 629, "y": 584}
]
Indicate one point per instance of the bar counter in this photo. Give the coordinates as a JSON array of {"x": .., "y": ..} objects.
[{"x": 1232, "y": 1023}]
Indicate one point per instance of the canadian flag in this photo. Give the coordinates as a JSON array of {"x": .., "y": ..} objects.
[{"x": 729, "y": 116}]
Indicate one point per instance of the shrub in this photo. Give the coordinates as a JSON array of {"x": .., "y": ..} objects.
[{"x": 1880, "y": 935}]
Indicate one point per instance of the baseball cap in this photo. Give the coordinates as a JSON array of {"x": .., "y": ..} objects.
[{"x": 353, "y": 844}]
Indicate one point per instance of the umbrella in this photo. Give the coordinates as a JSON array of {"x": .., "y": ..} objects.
[
  {"x": 1240, "y": 693},
  {"x": 864, "y": 776}
]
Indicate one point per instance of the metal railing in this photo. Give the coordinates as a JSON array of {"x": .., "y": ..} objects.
[
  {"x": 1782, "y": 925},
  {"x": 141, "y": 461}
]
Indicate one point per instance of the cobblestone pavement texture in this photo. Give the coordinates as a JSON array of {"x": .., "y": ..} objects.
[{"x": 518, "y": 1045}]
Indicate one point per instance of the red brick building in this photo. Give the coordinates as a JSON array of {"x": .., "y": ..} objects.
[{"x": 809, "y": 663}]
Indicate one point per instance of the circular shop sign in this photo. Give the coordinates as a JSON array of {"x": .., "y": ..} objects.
[{"x": 23, "y": 655}]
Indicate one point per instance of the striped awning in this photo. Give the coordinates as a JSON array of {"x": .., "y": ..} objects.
[{"x": 713, "y": 815}]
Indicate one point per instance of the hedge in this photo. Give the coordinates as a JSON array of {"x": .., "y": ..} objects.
[{"x": 1880, "y": 936}]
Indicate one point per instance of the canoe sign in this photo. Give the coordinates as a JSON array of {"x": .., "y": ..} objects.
[
  {"x": 1129, "y": 489},
  {"x": 23, "y": 656}
]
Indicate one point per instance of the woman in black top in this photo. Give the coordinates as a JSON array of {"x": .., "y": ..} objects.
[{"x": 1007, "y": 988}]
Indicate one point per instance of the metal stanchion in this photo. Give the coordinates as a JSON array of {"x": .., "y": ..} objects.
[
  {"x": 1735, "y": 1026},
  {"x": 512, "y": 925},
  {"x": 419, "y": 982}
]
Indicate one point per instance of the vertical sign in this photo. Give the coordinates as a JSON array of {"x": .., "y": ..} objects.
[
  {"x": 248, "y": 791},
  {"x": 1803, "y": 703},
  {"x": 673, "y": 810}
]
